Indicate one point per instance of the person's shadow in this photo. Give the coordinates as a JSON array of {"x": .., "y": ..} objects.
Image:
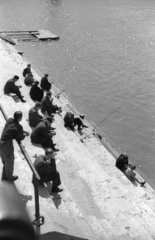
[
  {"x": 45, "y": 192},
  {"x": 56, "y": 198},
  {"x": 14, "y": 96},
  {"x": 25, "y": 199},
  {"x": 60, "y": 236}
]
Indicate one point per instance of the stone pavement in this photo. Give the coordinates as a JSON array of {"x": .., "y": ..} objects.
[{"x": 98, "y": 201}]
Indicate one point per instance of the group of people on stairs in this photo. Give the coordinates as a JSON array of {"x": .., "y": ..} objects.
[{"x": 42, "y": 130}]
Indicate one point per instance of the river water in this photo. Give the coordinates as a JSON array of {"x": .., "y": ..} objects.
[{"x": 105, "y": 60}]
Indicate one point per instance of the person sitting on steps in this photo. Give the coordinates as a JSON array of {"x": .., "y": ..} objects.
[
  {"x": 122, "y": 162},
  {"x": 10, "y": 87},
  {"x": 46, "y": 168},
  {"x": 27, "y": 70},
  {"x": 42, "y": 134},
  {"x": 45, "y": 84},
  {"x": 36, "y": 93},
  {"x": 29, "y": 80},
  {"x": 34, "y": 116},
  {"x": 131, "y": 175},
  {"x": 47, "y": 106},
  {"x": 127, "y": 168},
  {"x": 71, "y": 122}
]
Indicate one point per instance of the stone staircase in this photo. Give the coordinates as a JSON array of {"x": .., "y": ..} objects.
[{"x": 98, "y": 201}]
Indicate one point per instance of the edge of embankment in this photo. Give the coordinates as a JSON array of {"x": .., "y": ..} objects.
[{"x": 56, "y": 90}]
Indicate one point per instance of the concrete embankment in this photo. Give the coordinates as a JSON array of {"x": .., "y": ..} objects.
[{"x": 98, "y": 201}]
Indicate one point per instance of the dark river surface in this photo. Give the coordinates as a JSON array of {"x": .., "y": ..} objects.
[{"x": 105, "y": 59}]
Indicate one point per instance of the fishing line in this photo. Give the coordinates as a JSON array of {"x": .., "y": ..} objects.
[
  {"x": 58, "y": 95},
  {"x": 100, "y": 123},
  {"x": 113, "y": 122}
]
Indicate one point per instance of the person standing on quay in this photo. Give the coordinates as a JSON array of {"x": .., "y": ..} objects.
[{"x": 12, "y": 130}]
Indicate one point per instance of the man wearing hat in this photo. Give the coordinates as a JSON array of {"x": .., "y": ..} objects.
[
  {"x": 45, "y": 84},
  {"x": 12, "y": 130},
  {"x": 27, "y": 70},
  {"x": 47, "y": 106},
  {"x": 46, "y": 168},
  {"x": 34, "y": 116},
  {"x": 43, "y": 133}
]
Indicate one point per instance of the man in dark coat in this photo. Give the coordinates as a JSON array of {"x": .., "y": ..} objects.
[
  {"x": 29, "y": 80},
  {"x": 36, "y": 93},
  {"x": 34, "y": 116},
  {"x": 27, "y": 70},
  {"x": 12, "y": 130},
  {"x": 10, "y": 87},
  {"x": 45, "y": 84},
  {"x": 122, "y": 162},
  {"x": 46, "y": 168},
  {"x": 42, "y": 134},
  {"x": 47, "y": 106}
]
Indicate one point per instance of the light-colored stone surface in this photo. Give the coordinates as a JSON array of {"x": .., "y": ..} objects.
[{"x": 98, "y": 201}]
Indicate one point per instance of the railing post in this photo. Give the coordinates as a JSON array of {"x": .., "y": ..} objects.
[{"x": 39, "y": 220}]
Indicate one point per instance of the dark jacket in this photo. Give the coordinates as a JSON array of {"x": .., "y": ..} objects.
[
  {"x": 47, "y": 106},
  {"x": 43, "y": 167},
  {"x": 69, "y": 120},
  {"x": 29, "y": 80},
  {"x": 122, "y": 162},
  {"x": 36, "y": 93},
  {"x": 10, "y": 87},
  {"x": 45, "y": 84},
  {"x": 34, "y": 117},
  {"x": 26, "y": 71},
  {"x": 40, "y": 131},
  {"x": 12, "y": 130}
]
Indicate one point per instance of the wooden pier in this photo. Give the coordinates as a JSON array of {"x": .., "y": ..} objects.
[{"x": 37, "y": 35}]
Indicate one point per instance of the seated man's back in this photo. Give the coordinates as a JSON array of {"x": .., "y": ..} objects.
[
  {"x": 45, "y": 84},
  {"x": 10, "y": 87},
  {"x": 34, "y": 117},
  {"x": 46, "y": 106},
  {"x": 29, "y": 80},
  {"x": 40, "y": 131},
  {"x": 36, "y": 93}
]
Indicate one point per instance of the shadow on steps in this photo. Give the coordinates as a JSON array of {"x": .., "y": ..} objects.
[{"x": 59, "y": 236}]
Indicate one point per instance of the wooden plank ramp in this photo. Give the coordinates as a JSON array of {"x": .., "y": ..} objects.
[
  {"x": 45, "y": 35},
  {"x": 7, "y": 39},
  {"x": 9, "y": 36}
]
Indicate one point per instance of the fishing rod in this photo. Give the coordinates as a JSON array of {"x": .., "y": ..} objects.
[
  {"x": 54, "y": 81},
  {"x": 58, "y": 95},
  {"x": 93, "y": 130}
]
